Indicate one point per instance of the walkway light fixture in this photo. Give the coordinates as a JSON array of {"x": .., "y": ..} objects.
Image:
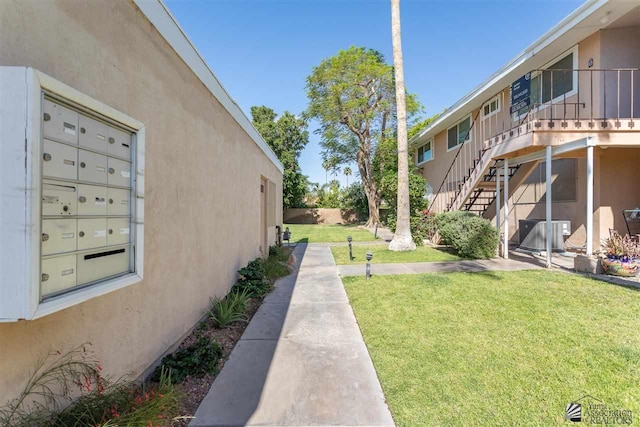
[
  {"x": 349, "y": 239},
  {"x": 369, "y": 257},
  {"x": 287, "y": 236}
]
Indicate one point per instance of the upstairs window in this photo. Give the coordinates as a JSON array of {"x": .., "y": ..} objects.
[
  {"x": 491, "y": 108},
  {"x": 459, "y": 133},
  {"x": 425, "y": 152}
]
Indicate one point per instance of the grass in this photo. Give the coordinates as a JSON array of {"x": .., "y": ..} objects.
[
  {"x": 381, "y": 255},
  {"x": 498, "y": 348},
  {"x": 316, "y": 233}
]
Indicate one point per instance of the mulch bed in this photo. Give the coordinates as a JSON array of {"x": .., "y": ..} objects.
[{"x": 195, "y": 388}]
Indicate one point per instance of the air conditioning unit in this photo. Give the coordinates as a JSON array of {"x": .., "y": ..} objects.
[{"x": 533, "y": 235}]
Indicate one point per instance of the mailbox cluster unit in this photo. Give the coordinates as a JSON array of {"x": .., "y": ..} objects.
[{"x": 86, "y": 170}]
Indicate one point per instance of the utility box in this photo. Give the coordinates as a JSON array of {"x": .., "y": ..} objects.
[{"x": 533, "y": 234}]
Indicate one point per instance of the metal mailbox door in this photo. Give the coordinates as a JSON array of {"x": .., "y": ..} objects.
[
  {"x": 119, "y": 143},
  {"x": 59, "y": 160},
  {"x": 118, "y": 231},
  {"x": 119, "y": 172},
  {"x": 119, "y": 201},
  {"x": 92, "y": 233},
  {"x": 59, "y": 198},
  {"x": 93, "y": 134},
  {"x": 60, "y": 123},
  {"x": 92, "y": 200},
  {"x": 92, "y": 167},
  {"x": 58, "y": 274},
  {"x": 102, "y": 263},
  {"x": 58, "y": 236}
]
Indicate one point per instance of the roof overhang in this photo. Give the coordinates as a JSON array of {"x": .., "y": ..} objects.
[
  {"x": 162, "y": 19},
  {"x": 586, "y": 20}
]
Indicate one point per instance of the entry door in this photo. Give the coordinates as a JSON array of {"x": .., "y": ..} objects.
[{"x": 264, "y": 248}]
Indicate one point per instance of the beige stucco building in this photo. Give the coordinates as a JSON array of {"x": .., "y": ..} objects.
[
  {"x": 573, "y": 96},
  {"x": 109, "y": 99}
]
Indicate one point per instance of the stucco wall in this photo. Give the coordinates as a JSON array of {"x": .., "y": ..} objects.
[
  {"x": 203, "y": 172},
  {"x": 320, "y": 216}
]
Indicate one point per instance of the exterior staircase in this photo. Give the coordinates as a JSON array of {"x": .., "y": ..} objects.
[{"x": 484, "y": 194}]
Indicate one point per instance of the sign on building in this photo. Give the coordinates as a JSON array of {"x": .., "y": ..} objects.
[{"x": 521, "y": 93}]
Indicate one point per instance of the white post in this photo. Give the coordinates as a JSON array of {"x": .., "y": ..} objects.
[
  {"x": 505, "y": 248},
  {"x": 549, "y": 228},
  {"x": 498, "y": 199},
  {"x": 589, "y": 200}
]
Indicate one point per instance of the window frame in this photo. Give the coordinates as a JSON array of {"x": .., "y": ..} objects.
[
  {"x": 431, "y": 149},
  {"x": 575, "y": 84},
  {"x": 491, "y": 113},
  {"x": 468, "y": 140},
  {"x": 22, "y": 295}
]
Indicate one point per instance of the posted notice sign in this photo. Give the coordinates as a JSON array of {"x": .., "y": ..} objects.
[{"x": 521, "y": 93}]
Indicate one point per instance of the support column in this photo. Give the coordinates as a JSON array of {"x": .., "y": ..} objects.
[
  {"x": 498, "y": 199},
  {"x": 549, "y": 228},
  {"x": 589, "y": 200},
  {"x": 505, "y": 248}
]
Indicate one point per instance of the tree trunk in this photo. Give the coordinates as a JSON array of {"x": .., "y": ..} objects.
[
  {"x": 368, "y": 183},
  {"x": 402, "y": 240}
]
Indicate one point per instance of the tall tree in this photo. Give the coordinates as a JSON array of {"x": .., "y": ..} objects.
[
  {"x": 287, "y": 136},
  {"x": 402, "y": 240},
  {"x": 352, "y": 96},
  {"x": 347, "y": 173}
]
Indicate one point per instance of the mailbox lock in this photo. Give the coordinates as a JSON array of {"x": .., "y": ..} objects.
[
  {"x": 46, "y": 157},
  {"x": 110, "y": 231},
  {"x": 110, "y": 201},
  {"x": 65, "y": 208},
  {"x": 82, "y": 199},
  {"x": 112, "y": 141},
  {"x": 45, "y": 237},
  {"x": 83, "y": 164},
  {"x": 47, "y": 117},
  {"x": 45, "y": 277},
  {"x": 81, "y": 234},
  {"x": 83, "y": 130}
]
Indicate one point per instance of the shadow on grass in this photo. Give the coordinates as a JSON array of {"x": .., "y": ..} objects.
[{"x": 303, "y": 240}]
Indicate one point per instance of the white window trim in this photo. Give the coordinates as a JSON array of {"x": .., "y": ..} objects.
[
  {"x": 557, "y": 99},
  {"x": 22, "y": 89},
  {"x": 430, "y": 141},
  {"x": 457, "y": 123},
  {"x": 493, "y": 113}
]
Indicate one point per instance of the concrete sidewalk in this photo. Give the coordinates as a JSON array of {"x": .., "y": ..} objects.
[
  {"x": 301, "y": 361},
  {"x": 437, "y": 267}
]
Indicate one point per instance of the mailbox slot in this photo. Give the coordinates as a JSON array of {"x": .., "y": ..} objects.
[
  {"x": 102, "y": 263},
  {"x": 93, "y": 134},
  {"x": 59, "y": 160},
  {"x": 118, "y": 201},
  {"x": 118, "y": 231},
  {"x": 119, "y": 172},
  {"x": 60, "y": 123},
  {"x": 92, "y": 167},
  {"x": 58, "y": 274},
  {"x": 92, "y": 233},
  {"x": 59, "y": 198},
  {"x": 58, "y": 236},
  {"x": 92, "y": 200},
  {"x": 118, "y": 143}
]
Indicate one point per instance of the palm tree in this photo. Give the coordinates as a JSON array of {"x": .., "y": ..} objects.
[
  {"x": 347, "y": 173},
  {"x": 402, "y": 240},
  {"x": 326, "y": 165}
]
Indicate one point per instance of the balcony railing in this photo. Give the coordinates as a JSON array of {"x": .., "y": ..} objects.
[{"x": 560, "y": 100}]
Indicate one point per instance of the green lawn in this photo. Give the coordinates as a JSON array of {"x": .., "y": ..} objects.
[
  {"x": 316, "y": 233},
  {"x": 381, "y": 255},
  {"x": 499, "y": 348}
]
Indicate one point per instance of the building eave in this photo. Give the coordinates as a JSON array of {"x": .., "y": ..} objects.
[{"x": 161, "y": 18}]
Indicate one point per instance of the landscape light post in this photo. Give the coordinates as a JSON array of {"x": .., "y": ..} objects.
[
  {"x": 349, "y": 239},
  {"x": 369, "y": 257}
]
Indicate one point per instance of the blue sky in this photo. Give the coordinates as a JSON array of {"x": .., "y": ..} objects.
[{"x": 263, "y": 50}]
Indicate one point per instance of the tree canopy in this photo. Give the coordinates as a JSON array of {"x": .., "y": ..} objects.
[
  {"x": 287, "y": 136},
  {"x": 352, "y": 95}
]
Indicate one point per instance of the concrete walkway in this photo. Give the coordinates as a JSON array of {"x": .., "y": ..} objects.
[{"x": 301, "y": 361}]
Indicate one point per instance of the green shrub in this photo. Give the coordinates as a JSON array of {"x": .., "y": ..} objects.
[
  {"x": 416, "y": 223},
  {"x": 253, "y": 279},
  {"x": 230, "y": 309},
  {"x": 199, "y": 358},
  {"x": 471, "y": 236}
]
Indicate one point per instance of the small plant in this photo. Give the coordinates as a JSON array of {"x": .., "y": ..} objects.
[
  {"x": 471, "y": 236},
  {"x": 253, "y": 279},
  {"x": 230, "y": 309},
  {"x": 621, "y": 247},
  {"x": 199, "y": 358}
]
